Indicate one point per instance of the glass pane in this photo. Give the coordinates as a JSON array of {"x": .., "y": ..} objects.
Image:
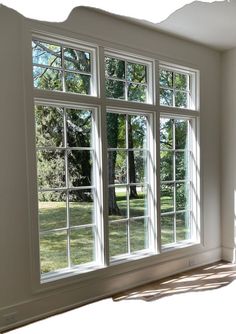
[
  {"x": 167, "y": 197},
  {"x": 182, "y": 226},
  {"x": 51, "y": 169},
  {"x": 52, "y": 210},
  {"x": 166, "y": 97},
  {"x": 117, "y": 167},
  {"x": 47, "y": 78},
  {"x": 115, "y": 89},
  {"x": 118, "y": 238},
  {"x": 81, "y": 207},
  {"x": 80, "y": 168},
  {"x": 138, "y": 235},
  {"x": 137, "y": 166},
  {"x": 116, "y": 130},
  {"x": 167, "y": 229},
  {"x": 79, "y": 128},
  {"x": 77, "y": 83},
  {"x": 181, "y": 165},
  {"x": 181, "y": 81},
  {"x": 137, "y": 92},
  {"x": 114, "y": 68},
  {"x": 181, "y": 99},
  {"x": 181, "y": 134},
  {"x": 53, "y": 251},
  {"x": 117, "y": 203},
  {"x": 166, "y": 78},
  {"x": 46, "y": 54},
  {"x": 137, "y": 201},
  {"x": 77, "y": 60},
  {"x": 166, "y": 166},
  {"x": 137, "y": 131},
  {"x": 182, "y": 196},
  {"x": 82, "y": 246},
  {"x": 136, "y": 73},
  {"x": 49, "y": 126},
  {"x": 166, "y": 133}
]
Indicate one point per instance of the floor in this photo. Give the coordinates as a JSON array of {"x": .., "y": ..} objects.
[{"x": 197, "y": 301}]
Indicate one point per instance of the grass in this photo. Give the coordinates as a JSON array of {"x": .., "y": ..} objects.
[{"x": 54, "y": 243}]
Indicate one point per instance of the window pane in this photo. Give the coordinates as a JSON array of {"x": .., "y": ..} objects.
[
  {"x": 138, "y": 235},
  {"x": 181, "y": 81},
  {"x": 117, "y": 203},
  {"x": 182, "y": 196},
  {"x": 79, "y": 128},
  {"x": 47, "y": 78},
  {"x": 49, "y": 126},
  {"x": 137, "y": 166},
  {"x": 137, "y": 131},
  {"x": 81, "y": 207},
  {"x": 181, "y": 165},
  {"x": 182, "y": 226},
  {"x": 166, "y": 134},
  {"x": 115, "y": 89},
  {"x": 114, "y": 68},
  {"x": 53, "y": 251},
  {"x": 116, "y": 130},
  {"x": 80, "y": 168},
  {"x": 137, "y": 92},
  {"x": 77, "y": 83},
  {"x": 82, "y": 246},
  {"x": 167, "y": 197},
  {"x": 181, "y": 99},
  {"x": 166, "y": 166},
  {"x": 46, "y": 54},
  {"x": 118, "y": 238},
  {"x": 166, "y": 79},
  {"x": 181, "y": 134},
  {"x": 137, "y": 201},
  {"x": 117, "y": 167},
  {"x": 167, "y": 229},
  {"x": 51, "y": 169},
  {"x": 166, "y": 97},
  {"x": 52, "y": 210},
  {"x": 136, "y": 73},
  {"x": 77, "y": 60}
]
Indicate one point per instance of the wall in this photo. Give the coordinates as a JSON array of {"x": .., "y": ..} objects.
[
  {"x": 228, "y": 160},
  {"x": 19, "y": 300}
]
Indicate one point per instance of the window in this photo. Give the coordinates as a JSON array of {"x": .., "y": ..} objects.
[
  {"x": 61, "y": 68},
  {"x": 99, "y": 180},
  {"x": 177, "y": 88},
  {"x": 127, "y": 79}
]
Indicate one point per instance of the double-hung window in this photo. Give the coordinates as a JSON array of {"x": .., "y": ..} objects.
[{"x": 107, "y": 191}]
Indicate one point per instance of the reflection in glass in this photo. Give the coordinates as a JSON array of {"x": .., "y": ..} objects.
[
  {"x": 53, "y": 251},
  {"x": 82, "y": 245},
  {"x": 49, "y": 126},
  {"x": 118, "y": 238}
]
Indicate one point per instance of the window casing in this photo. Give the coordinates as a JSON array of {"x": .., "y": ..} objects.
[{"x": 157, "y": 207}]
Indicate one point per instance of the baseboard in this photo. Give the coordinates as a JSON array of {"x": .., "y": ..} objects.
[{"x": 229, "y": 254}]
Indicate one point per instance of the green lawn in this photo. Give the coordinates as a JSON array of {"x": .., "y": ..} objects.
[{"x": 54, "y": 244}]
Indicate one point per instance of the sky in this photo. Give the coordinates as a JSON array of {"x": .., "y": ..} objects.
[{"x": 154, "y": 11}]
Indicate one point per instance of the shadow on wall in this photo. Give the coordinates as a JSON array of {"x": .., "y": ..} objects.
[{"x": 207, "y": 278}]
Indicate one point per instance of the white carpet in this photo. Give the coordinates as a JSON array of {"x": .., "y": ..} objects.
[{"x": 211, "y": 311}]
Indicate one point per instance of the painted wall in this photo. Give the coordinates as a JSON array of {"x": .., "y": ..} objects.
[{"x": 19, "y": 301}]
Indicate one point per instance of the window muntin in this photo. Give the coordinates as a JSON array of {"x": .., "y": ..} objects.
[
  {"x": 127, "y": 80},
  {"x": 68, "y": 222},
  {"x": 176, "y": 88},
  {"x": 128, "y": 183},
  {"x": 58, "y": 67},
  {"x": 176, "y": 180}
]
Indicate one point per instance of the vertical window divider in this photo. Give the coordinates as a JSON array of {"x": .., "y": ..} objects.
[
  {"x": 174, "y": 179},
  {"x": 128, "y": 178}
]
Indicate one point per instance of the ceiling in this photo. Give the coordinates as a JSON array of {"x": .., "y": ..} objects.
[{"x": 213, "y": 24}]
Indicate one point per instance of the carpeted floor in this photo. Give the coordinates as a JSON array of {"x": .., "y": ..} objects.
[{"x": 198, "y": 301}]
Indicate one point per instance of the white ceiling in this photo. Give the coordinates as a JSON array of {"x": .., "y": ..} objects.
[{"x": 213, "y": 24}]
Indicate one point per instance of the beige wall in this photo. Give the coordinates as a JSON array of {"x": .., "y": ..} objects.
[{"x": 17, "y": 293}]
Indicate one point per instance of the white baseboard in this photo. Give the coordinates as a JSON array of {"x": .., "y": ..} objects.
[{"x": 229, "y": 254}]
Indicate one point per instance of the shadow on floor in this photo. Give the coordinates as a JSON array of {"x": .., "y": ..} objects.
[{"x": 210, "y": 277}]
